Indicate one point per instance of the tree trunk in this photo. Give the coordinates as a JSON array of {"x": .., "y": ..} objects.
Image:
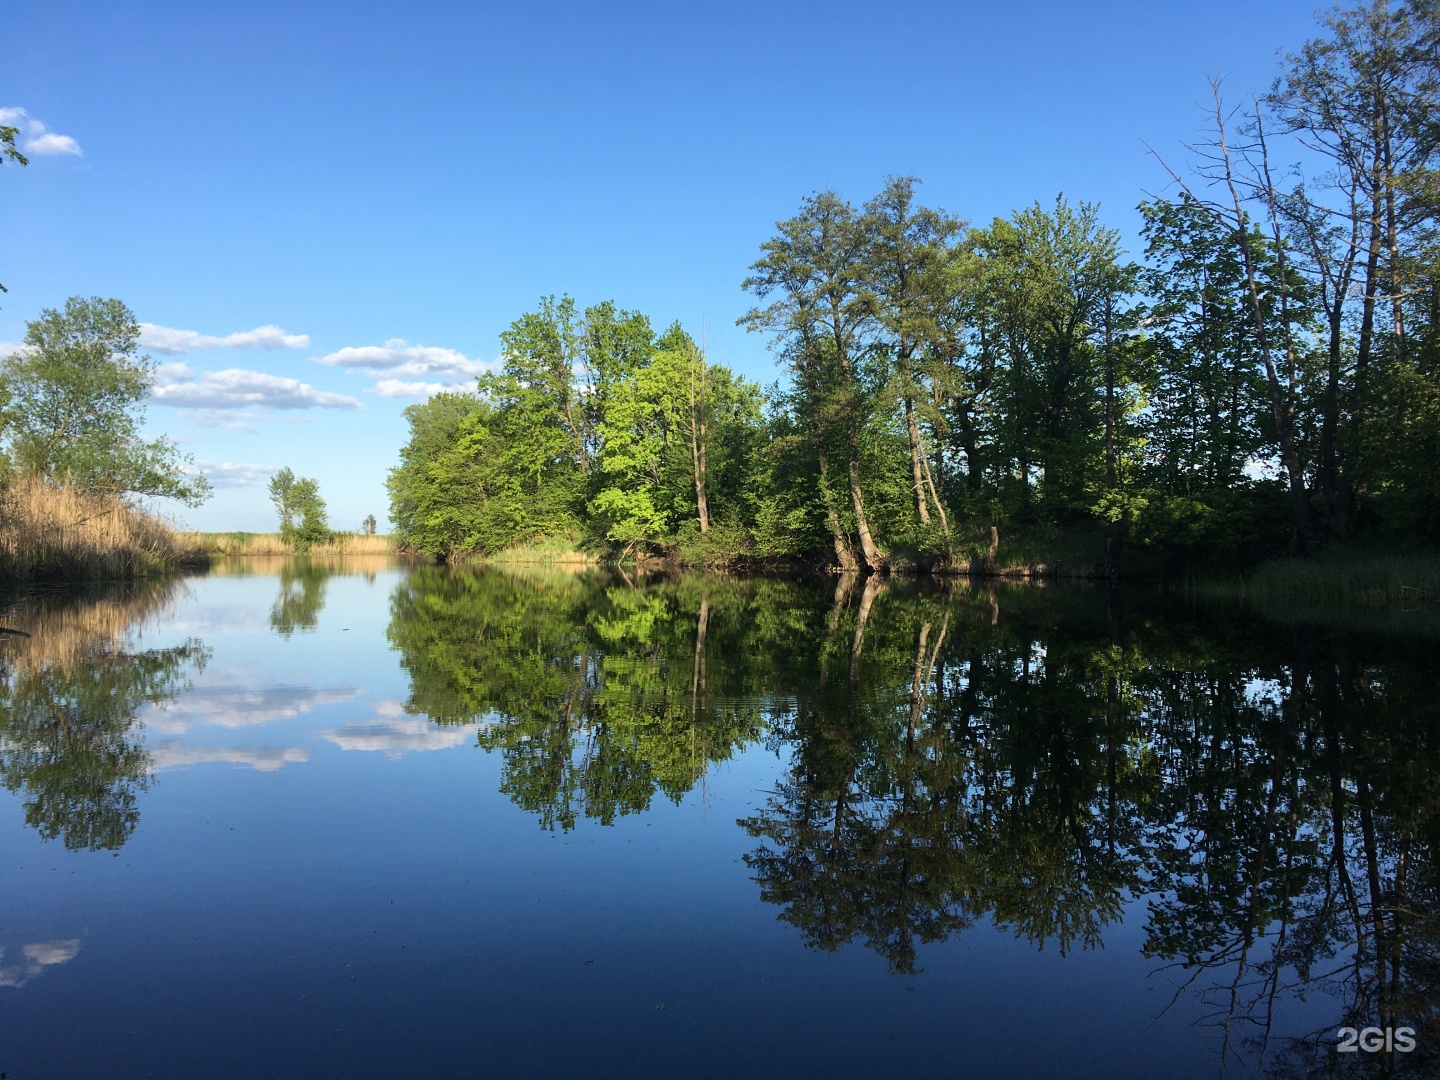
[
  {"x": 873, "y": 556},
  {"x": 844, "y": 553},
  {"x": 912, "y": 429},
  {"x": 699, "y": 407},
  {"x": 1113, "y": 533}
]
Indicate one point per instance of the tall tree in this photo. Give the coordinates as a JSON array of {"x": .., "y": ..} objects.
[
  {"x": 906, "y": 258},
  {"x": 812, "y": 272},
  {"x": 1047, "y": 277},
  {"x": 74, "y": 404},
  {"x": 1363, "y": 97}
]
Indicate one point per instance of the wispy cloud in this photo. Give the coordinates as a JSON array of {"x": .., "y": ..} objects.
[
  {"x": 36, "y": 138},
  {"x": 403, "y": 369},
  {"x": 178, "y": 385},
  {"x": 232, "y": 474},
  {"x": 172, "y": 342},
  {"x": 230, "y": 419},
  {"x": 395, "y": 734},
  {"x": 35, "y": 958},
  {"x": 176, "y": 755}
]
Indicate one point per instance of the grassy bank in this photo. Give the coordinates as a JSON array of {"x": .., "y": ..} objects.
[
  {"x": 1339, "y": 575},
  {"x": 1350, "y": 588},
  {"x": 53, "y": 532},
  {"x": 555, "y": 550},
  {"x": 248, "y": 543}
]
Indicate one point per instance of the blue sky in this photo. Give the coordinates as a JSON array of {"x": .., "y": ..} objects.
[{"x": 270, "y": 185}]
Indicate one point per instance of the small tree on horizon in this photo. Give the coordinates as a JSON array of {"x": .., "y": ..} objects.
[
  {"x": 303, "y": 519},
  {"x": 368, "y": 525}
]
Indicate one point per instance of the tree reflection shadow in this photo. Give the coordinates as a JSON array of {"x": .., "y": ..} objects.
[
  {"x": 70, "y": 741},
  {"x": 302, "y": 596},
  {"x": 1266, "y": 799}
]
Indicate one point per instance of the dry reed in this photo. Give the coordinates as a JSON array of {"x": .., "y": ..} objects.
[
  {"x": 55, "y": 532},
  {"x": 250, "y": 544}
]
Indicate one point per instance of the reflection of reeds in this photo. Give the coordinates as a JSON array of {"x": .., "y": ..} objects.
[
  {"x": 57, "y": 532},
  {"x": 263, "y": 544},
  {"x": 68, "y": 629},
  {"x": 329, "y": 562}
]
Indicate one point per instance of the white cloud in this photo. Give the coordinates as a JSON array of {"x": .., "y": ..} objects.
[
  {"x": 171, "y": 342},
  {"x": 36, "y": 138},
  {"x": 231, "y": 700},
  {"x": 403, "y": 369},
  {"x": 400, "y": 388},
  {"x": 232, "y": 474},
  {"x": 178, "y": 385},
  {"x": 52, "y": 145},
  {"x": 11, "y": 348},
  {"x": 176, "y": 755},
  {"x": 395, "y": 734},
  {"x": 39, "y": 955}
]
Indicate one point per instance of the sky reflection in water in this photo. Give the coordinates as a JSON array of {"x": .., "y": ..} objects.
[{"x": 356, "y": 819}]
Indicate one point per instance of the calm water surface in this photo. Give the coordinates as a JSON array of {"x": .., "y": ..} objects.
[{"x": 363, "y": 820}]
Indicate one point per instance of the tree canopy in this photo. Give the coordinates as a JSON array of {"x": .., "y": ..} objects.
[
  {"x": 74, "y": 402},
  {"x": 1263, "y": 376}
]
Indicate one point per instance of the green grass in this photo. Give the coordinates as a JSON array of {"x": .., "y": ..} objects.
[
  {"x": 549, "y": 549},
  {"x": 1355, "y": 588},
  {"x": 1341, "y": 575}
]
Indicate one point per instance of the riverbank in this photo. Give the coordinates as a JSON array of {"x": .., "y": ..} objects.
[
  {"x": 58, "y": 533},
  {"x": 1343, "y": 574}
]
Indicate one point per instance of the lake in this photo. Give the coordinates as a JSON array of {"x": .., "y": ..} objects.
[{"x": 364, "y": 819}]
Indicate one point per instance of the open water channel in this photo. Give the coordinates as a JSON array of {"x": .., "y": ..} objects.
[{"x": 298, "y": 819}]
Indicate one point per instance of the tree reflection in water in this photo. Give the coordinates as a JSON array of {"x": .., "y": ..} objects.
[
  {"x": 597, "y": 693},
  {"x": 70, "y": 742},
  {"x": 302, "y": 595},
  {"x": 1265, "y": 797}
]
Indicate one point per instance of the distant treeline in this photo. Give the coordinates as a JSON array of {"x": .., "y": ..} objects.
[{"x": 1266, "y": 377}]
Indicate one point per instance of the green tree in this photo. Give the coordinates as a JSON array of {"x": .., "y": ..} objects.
[
  {"x": 1046, "y": 278},
  {"x": 812, "y": 273},
  {"x": 906, "y": 263},
  {"x": 303, "y": 520},
  {"x": 74, "y": 405}
]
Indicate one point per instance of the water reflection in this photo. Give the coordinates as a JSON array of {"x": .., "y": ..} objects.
[
  {"x": 70, "y": 741},
  {"x": 1257, "y": 804},
  {"x": 1265, "y": 798},
  {"x": 34, "y": 959},
  {"x": 302, "y": 596},
  {"x": 598, "y": 694}
]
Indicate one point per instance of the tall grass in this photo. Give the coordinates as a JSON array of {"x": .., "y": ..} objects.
[
  {"x": 248, "y": 543},
  {"x": 55, "y": 532},
  {"x": 1340, "y": 576},
  {"x": 1344, "y": 588},
  {"x": 555, "y": 550}
]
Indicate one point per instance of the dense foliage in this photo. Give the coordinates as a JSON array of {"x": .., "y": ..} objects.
[
  {"x": 304, "y": 521},
  {"x": 1267, "y": 375},
  {"x": 72, "y": 405}
]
